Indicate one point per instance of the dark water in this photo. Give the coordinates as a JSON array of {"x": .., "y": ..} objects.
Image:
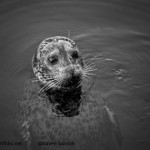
[{"x": 118, "y": 30}]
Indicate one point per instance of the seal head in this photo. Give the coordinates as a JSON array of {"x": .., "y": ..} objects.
[{"x": 58, "y": 63}]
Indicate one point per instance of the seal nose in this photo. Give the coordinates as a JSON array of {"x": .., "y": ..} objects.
[
  {"x": 72, "y": 78},
  {"x": 71, "y": 71}
]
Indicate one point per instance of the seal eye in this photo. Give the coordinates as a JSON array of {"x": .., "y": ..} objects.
[
  {"x": 53, "y": 60},
  {"x": 75, "y": 55}
]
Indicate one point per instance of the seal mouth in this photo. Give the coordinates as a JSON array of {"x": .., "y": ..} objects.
[{"x": 72, "y": 82}]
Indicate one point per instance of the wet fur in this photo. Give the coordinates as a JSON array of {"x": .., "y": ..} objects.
[{"x": 95, "y": 124}]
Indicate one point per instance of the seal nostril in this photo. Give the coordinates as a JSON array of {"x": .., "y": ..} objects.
[{"x": 72, "y": 71}]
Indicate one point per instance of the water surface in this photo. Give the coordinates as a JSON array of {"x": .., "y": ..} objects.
[{"x": 117, "y": 30}]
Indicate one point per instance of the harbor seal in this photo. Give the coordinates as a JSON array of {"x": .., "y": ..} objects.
[
  {"x": 58, "y": 64},
  {"x": 55, "y": 111}
]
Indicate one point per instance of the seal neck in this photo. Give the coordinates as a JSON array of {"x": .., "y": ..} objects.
[{"x": 65, "y": 103}]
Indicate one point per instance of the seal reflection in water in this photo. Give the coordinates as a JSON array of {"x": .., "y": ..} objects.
[{"x": 54, "y": 112}]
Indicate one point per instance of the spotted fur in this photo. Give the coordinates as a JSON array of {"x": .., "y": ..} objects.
[
  {"x": 94, "y": 128},
  {"x": 45, "y": 47}
]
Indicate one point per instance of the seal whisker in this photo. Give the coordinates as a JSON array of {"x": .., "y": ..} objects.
[
  {"x": 89, "y": 65},
  {"x": 50, "y": 85},
  {"x": 88, "y": 73},
  {"x": 35, "y": 80},
  {"x": 46, "y": 87},
  {"x": 85, "y": 49},
  {"x": 59, "y": 83},
  {"x": 85, "y": 75},
  {"x": 90, "y": 69},
  {"x": 42, "y": 89},
  {"x": 94, "y": 58},
  {"x": 99, "y": 55},
  {"x": 88, "y": 55}
]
